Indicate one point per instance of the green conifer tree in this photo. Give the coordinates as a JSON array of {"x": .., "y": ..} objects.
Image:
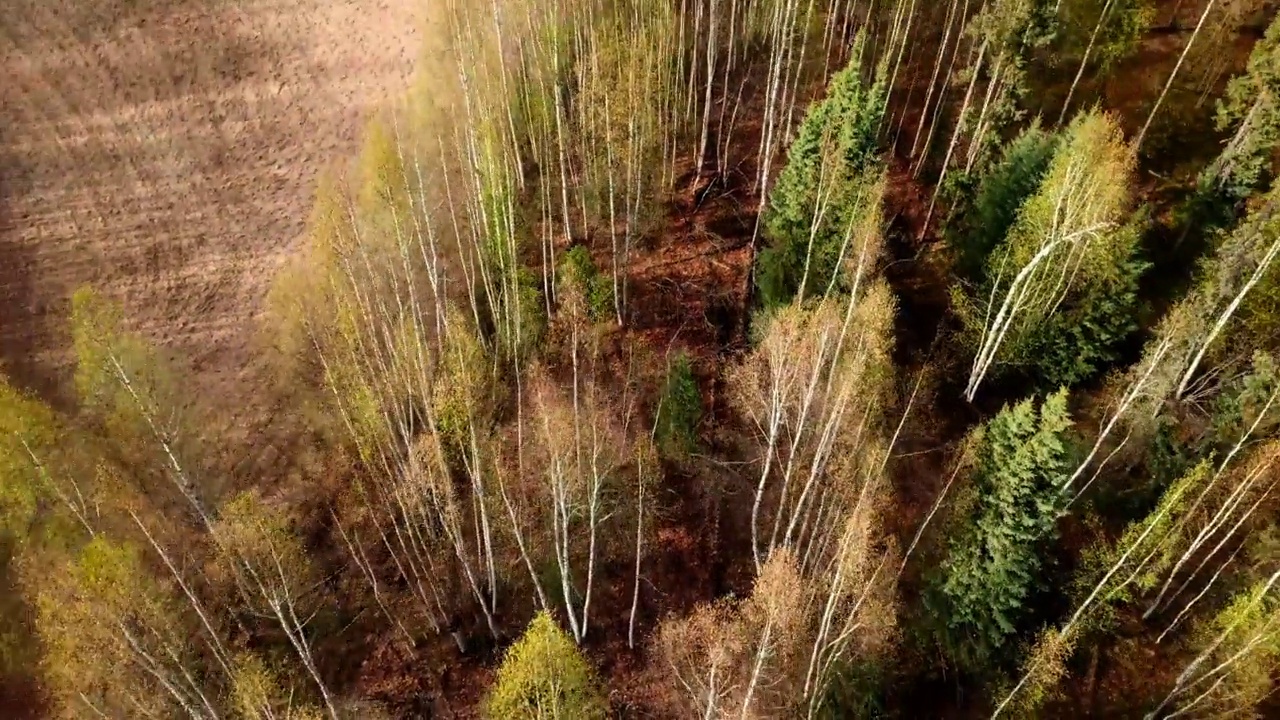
[
  {"x": 830, "y": 182},
  {"x": 1000, "y": 193},
  {"x": 1250, "y": 108},
  {"x": 1059, "y": 291},
  {"x": 992, "y": 569},
  {"x": 681, "y": 409}
]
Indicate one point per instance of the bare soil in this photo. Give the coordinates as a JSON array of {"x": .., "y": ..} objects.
[{"x": 167, "y": 152}]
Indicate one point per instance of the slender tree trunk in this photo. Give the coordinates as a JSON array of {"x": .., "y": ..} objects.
[
  {"x": 635, "y": 588},
  {"x": 1142, "y": 134},
  {"x": 933, "y": 80},
  {"x": 712, "y": 15},
  {"x": 1084, "y": 61},
  {"x": 955, "y": 138}
]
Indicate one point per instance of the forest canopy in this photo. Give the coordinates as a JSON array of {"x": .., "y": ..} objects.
[{"x": 721, "y": 358}]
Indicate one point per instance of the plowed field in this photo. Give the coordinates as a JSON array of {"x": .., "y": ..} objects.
[{"x": 167, "y": 152}]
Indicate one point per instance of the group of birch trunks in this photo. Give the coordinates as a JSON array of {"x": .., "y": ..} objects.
[{"x": 489, "y": 445}]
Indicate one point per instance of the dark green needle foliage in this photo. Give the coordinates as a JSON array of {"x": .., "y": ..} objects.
[
  {"x": 993, "y": 567},
  {"x": 680, "y": 411},
  {"x": 831, "y": 180},
  {"x": 1000, "y": 193}
]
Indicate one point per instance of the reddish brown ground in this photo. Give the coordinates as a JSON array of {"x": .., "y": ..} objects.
[{"x": 689, "y": 290}]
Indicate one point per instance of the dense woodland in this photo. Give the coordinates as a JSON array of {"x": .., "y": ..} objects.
[{"x": 710, "y": 359}]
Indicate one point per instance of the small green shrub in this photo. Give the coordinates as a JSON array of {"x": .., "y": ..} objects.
[
  {"x": 681, "y": 409},
  {"x": 578, "y": 273}
]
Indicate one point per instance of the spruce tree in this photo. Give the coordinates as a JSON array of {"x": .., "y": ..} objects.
[
  {"x": 681, "y": 409},
  {"x": 117, "y": 644},
  {"x": 1000, "y": 194},
  {"x": 830, "y": 182},
  {"x": 1249, "y": 109},
  {"x": 1059, "y": 291},
  {"x": 992, "y": 569}
]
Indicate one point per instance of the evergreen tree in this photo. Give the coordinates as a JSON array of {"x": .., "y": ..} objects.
[
  {"x": 1085, "y": 336},
  {"x": 1000, "y": 194},
  {"x": 543, "y": 675},
  {"x": 1250, "y": 108},
  {"x": 1250, "y": 112},
  {"x": 1060, "y": 289},
  {"x": 681, "y": 409},
  {"x": 830, "y": 184},
  {"x": 992, "y": 570}
]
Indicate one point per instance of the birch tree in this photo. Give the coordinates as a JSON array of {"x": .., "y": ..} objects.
[
  {"x": 409, "y": 377},
  {"x": 261, "y": 544},
  {"x": 580, "y": 457},
  {"x": 1154, "y": 561},
  {"x": 1246, "y": 113},
  {"x": 1239, "y": 274},
  {"x": 776, "y": 653},
  {"x": 42, "y": 479},
  {"x": 1111, "y": 575},
  {"x": 124, "y": 384},
  {"x": 545, "y": 675},
  {"x": 1114, "y": 29},
  {"x": 741, "y": 660},
  {"x": 705, "y": 655},
  {"x": 1136, "y": 401},
  {"x": 1068, "y": 252},
  {"x": 259, "y": 695},
  {"x": 117, "y": 646},
  {"x": 1004, "y": 32},
  {"x": 1239, "y": 652},
  {"x": 1142, "y": 134},
  {"x": 813, "y": 391}
]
